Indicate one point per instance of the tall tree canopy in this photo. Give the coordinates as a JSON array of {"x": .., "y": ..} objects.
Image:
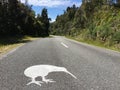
[
  {"x": 19, "y": 19},
  {"x": 93, "y": 20},
  {"x": 45, "y": 21}
]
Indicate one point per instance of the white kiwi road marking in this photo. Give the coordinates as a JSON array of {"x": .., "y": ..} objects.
[
  {"x": 43, "y": 70},
  {"x": 64, "y": 45}
]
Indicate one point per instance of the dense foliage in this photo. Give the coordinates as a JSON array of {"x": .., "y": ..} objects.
[
  {"x": 94, "y": 20},
  {"x": 19, "y": 19}
]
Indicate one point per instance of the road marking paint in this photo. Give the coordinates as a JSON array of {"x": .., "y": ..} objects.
[
  {"x": 64, "y": 45},
  {"x": 10, "y": 52},
  {"x": 42, "y": 71},
  {"x": 93, "y": 46}
]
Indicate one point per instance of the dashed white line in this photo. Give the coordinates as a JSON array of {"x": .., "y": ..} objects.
[{"x": 64, "y": 45}]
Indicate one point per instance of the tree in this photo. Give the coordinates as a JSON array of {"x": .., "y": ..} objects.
[
  {"x": 45, "y": 21},
  {"x": 118, "y": 3},
  {"x": 17, "y": 19}
]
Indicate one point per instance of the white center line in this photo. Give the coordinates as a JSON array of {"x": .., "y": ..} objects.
[{"x": 64, "y": 45}]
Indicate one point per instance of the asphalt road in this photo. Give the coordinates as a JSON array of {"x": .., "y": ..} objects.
[{"x": 94, "y": 67}]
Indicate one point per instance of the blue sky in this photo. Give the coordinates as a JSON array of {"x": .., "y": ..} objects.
[{"x": 54, "y": 7}]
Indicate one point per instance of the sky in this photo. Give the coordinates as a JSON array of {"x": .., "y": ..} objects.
[{"x": 54, "y": 7}]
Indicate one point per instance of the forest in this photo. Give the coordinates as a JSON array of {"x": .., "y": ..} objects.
[
  {"x": 18, "y": 19},
  {"x": 94, "y": 20}
]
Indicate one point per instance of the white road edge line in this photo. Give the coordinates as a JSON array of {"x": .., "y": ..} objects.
[
  {"x": 10, "y": 52},
  {"x": 64, "y": 45}
]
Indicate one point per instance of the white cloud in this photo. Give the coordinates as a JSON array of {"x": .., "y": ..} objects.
[
  {"x": 52, "y": 3},
  {"x": 53, "y": 20}
]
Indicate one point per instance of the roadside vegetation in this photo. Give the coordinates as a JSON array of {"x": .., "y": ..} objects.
[
  {"x": 19, "y": 19},
  {"x": 95, "y": 22},
  {"x": 94, "y": 42},
  {"x": 9, "y": 43},
  {"x": 19, "y": 24}
]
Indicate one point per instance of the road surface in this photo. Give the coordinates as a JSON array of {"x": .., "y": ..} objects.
[{"x": 94, "y": 67}]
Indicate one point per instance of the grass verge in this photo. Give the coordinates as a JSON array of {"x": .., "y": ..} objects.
[
  {"x": 9, "y": 43},
  {"x": 96, "y": 43}
]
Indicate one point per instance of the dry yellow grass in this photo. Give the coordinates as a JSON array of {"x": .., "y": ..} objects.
[{"x": 4, "y": 48}]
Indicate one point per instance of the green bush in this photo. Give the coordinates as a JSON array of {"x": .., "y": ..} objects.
[{"x": 116, "y": 37}]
